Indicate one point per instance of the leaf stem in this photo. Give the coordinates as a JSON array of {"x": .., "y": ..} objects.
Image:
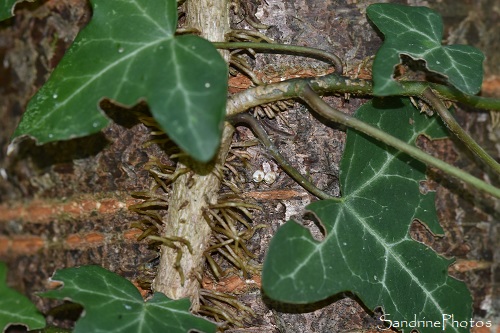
[
  {"x": 453, "y": 125},
  {"x": 414, "y": 88},
  {"x": 317, "y": 104},
  {"x": 334, "y": 83},
  {"x": 259, "y": 131},
  {"x": 289, "y": 89},
  {"x": 293, "y": 49}
]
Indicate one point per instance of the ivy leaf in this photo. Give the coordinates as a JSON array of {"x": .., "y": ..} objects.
[
  {"x": 367, "y": 248},
  {"x": 417, "y": 32},
  {"x": 7, "y": 8},
  {"x": 128, "y": 53},
  {"x": 15, "y": 308},
  {"x": 113, "y": 304}
]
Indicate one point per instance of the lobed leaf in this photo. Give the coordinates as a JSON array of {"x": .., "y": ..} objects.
[
  {"x": 417, "y": 32},
  {"x": 128, "y": 53},
  {"x": 367, "y": 248},
  {"x": 7, "y": 8},
  {"x": 15, "y": 308},
  {"x": 113, "y": 304}
]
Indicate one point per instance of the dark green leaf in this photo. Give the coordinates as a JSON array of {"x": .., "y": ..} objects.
[
  {"x": 16, "y": 308},
  {"x": 367, "y": 248},
  {"x": 128, "y": 53},
  {"x": 7, "y": 8},
  {"x": 417, "y": 32},
  {"x": 113, "y": 304}
]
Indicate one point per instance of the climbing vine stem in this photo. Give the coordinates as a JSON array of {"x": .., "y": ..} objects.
[
  {"x": 364, "y": 86},
  {"x": 251, "y": 122},
  {"x": 453, "y": 125},
  {"x": 334, "y": 83},
  {"x": 289, "y": 49},
  {"x": 308, "y": 88},
  {"x": 322, "y": 108}
]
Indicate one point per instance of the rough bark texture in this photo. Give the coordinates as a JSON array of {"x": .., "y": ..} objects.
[{"x": 64, "y": 204}]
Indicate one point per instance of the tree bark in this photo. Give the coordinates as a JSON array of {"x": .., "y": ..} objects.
[{"x": 65, "y": 204}]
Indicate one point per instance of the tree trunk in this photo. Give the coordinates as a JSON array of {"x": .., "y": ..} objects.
[{"x": 65, "y": 204}]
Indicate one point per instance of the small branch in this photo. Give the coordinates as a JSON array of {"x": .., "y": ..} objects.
[
  {"x": 250, "y": 121},
  {"x": 415, "y": 88},
  {"x": 290, "y": 89},
  {"x": 335, "y": 83},
  {"x": 317, "y": 104},
  {"x": 289, "y": 49},
  {"x": 452, "y": 124}
]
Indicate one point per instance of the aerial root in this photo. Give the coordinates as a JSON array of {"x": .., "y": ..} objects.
[
  {"x": 228, "y": 220},
  {"x": 224, "y": 308},
  {"x": 169, "y": 241},
  {"x": 271, "y": 110}
]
